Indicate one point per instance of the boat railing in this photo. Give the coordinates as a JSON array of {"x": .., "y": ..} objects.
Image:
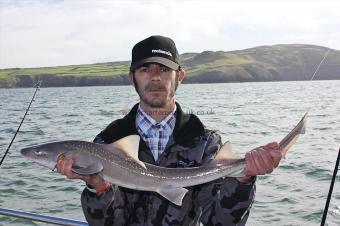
[{"x": 40, "y": 217}]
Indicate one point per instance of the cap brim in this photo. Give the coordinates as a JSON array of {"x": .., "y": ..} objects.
[{"x": 159, "y": 60}]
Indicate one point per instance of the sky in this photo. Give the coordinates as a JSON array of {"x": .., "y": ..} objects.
[{"x": 40, "y": 33}]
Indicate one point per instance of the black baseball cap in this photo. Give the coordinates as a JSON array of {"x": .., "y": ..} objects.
[{"x": 155, "y": 49}]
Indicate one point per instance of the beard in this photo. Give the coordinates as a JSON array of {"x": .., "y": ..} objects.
[{"x": 156, "y": 102}]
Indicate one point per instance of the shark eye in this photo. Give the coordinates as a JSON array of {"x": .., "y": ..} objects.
[{"x": 39, "y": 153}]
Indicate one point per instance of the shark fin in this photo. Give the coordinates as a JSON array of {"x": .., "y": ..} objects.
[
  {"x": 88, "y": 170},
  {"x": 293, "y": 135},
  {"x": 129, "y": 145},
  {"x": 174, "y": 195},
  {"x": 224, "y": 152},
  {"x": 224, "y": 155}
]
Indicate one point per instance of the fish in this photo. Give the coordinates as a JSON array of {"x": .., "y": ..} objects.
[
  {"x": 292, "y": 136},
  {"x": 118, "y": 163}
]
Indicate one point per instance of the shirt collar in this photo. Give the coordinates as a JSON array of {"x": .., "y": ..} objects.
[
  {"x": 145, "y": 122},
  {"x": 152, "y": 120},
  {"x": 188, "y": 127}
]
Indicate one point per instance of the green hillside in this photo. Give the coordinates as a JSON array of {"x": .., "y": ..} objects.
[{"x": 264, "y": 63}]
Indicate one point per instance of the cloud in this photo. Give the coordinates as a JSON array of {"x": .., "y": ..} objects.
[{"x": 44, "y": 33}]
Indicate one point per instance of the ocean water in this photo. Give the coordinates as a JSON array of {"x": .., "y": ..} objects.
[{"x": 247, "y": 114}]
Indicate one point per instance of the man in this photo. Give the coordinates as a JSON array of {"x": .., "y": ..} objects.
[{"x": 169, "y": 138}]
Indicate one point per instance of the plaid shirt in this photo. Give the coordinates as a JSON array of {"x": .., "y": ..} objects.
[{"x": 155, "y": 134}]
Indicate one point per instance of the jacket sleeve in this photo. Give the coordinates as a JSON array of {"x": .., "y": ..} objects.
[
  {"x": 225, "y": 201},
  {"x": 97, "y": 208}
]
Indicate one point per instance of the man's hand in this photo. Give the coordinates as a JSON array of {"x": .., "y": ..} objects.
[
  {"x": 64, "y": 167},
  {"x": 261, "y": 161}
]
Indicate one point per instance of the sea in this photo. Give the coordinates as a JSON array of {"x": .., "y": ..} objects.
[{"x": 246, "y": 114}]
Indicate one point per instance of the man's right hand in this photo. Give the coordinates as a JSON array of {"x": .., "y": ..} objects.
[{"x": 64, "y": 167}]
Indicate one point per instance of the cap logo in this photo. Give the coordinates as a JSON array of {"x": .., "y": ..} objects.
[{"x": 161, "y": 51}]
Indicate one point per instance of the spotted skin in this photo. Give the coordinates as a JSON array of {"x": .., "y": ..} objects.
[{"x": 220, "y": 202}]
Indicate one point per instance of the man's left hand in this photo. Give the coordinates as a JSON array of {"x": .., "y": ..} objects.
[{"x": 261, "y": 160}]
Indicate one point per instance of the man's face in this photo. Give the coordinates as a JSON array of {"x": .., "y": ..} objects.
[{"x": 156, "y": 84}]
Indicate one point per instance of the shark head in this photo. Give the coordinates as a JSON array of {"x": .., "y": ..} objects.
[{"x": 45, "y": 154}]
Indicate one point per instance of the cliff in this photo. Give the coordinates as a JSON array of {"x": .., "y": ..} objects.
[{"x": 290, "y": 62}]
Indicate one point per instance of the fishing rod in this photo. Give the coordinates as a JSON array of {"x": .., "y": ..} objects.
[
  {"x": 38, "y": 85},
  {"x": 318, "y": 67},
  {"x": 336, "y": 168}
]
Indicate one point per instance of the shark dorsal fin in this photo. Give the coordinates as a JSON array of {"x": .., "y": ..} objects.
[
  {"x": 129, "y": 145},
  {"x": 225, "y": 155},
  {"x": 224, "y": 152}
]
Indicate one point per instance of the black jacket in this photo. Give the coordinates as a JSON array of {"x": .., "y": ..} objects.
[{"x": 221, "y": 202}]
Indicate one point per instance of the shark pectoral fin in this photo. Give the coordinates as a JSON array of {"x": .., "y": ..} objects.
[
  {"x": 173, "y": 194},
  {"x": 88, "y": 170}
]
